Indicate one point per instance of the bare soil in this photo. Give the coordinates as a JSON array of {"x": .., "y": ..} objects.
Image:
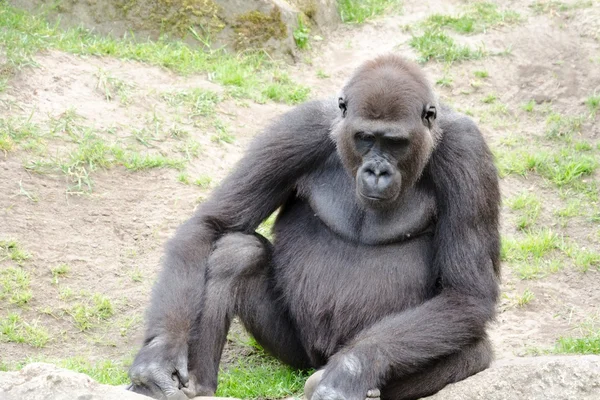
[{"x": 117, "y": 232}]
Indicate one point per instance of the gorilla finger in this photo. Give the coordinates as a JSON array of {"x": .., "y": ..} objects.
[
  {"x": 373, "y": 394},
  {"x": 146, "y": 390},
  {"x": 163, "y": 383},
  {"x": 181, "y": 371}
]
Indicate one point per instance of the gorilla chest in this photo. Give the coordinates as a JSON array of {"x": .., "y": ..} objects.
[{"x": 331, "y": 194}]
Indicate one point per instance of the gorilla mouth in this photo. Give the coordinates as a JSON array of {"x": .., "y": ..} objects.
[{"x": 377, "y": 199}]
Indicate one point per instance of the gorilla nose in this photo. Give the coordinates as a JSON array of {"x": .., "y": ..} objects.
[{"x": 377, "y": 181}]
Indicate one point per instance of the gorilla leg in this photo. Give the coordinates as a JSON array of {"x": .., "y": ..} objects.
[
  {"x": 238, "y": 284},
  {"x": 456, "y": 367}
]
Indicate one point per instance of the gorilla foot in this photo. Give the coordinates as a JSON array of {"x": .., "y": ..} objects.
[{"x": 313, "y": 381}]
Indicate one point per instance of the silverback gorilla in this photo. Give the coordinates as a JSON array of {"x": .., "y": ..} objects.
[{"x": 385, "y": 263}]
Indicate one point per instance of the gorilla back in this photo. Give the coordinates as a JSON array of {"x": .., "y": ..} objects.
[{"x": 385, "y": 264}]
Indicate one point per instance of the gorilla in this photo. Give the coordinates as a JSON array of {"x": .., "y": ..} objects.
[{"x": 384, "y": 267}]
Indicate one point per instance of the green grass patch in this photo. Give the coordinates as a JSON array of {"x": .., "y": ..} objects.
[
  {"x": 529, "y": 106},
  {"x": 490, "y": 98},
  {"x": 107, "y": 372},
  {"x": 204, "y": 181},
  {"x": 14, "y": 329},
  {"x": 302, "y": 34},
  {"x": 260, "y": 377},
  {"x": 579, "y": 345},
  {"x": 91, "y": 153},
  {"x": 477, "y": 17},
  {"x": 563, "y": 167},
  {"x": 359, "y": 11},
  {"x": 200, "y": 102},
  {"x": 481, "y": 74},
  {"x": 532, "y": 255},
  {"x": 12, "y": 250},
  {"x": 266, "y": 227},
  {"x": 20, "y": 134},
  {"x": 15, "y": 286},
  {"x": 91, "y": 311},
  {"x": 60, "y": 271},
  {"x": 554, "y": 6},
  {"x": 562, "y": 127},
  {"x": 525, "y": 298},
  {"x": 282, "y": 89},
  {"x": 23, "y": 35},
  {"x": 593, "y": 104},
  {"x": 434, "y": 44},
  {"x": 528, "y": 206}
]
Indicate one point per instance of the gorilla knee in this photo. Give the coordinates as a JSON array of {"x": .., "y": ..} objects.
[{"x": 237, "y": 254}]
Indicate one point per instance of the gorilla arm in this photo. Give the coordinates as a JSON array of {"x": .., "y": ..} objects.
[
  {"x": 260, "y": 183},
  {"x": 466, "y": 256}
]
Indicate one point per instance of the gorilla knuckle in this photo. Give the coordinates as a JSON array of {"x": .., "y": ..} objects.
[{"x": 236, "y": 253}]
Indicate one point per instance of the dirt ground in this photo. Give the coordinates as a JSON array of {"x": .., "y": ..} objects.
[{"x": 112, "y": 238}]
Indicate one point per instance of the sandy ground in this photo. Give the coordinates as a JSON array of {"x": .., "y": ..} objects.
[{"x": 112, "y": 238}]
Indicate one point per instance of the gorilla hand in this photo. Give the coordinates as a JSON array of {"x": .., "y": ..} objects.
[{"x": 160, "y": 368}]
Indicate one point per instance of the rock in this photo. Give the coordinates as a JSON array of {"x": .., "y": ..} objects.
[
  {"x": 41, "y": 381},
  {"x": 237, "y": 24},
  {"x": 46, "y": 381},
  {"x": 531, "y": 378}
]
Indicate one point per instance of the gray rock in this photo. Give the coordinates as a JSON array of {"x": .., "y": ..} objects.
[
  {"x": 46, "y": 381},
  {"x": 41, "y": 381},
  {"x": 531, "y": 378},
  {"x": 236, "y": 24}
]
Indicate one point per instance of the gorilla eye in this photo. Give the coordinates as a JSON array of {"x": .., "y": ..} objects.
[
  {"x": 342, "y": 106},
  {"x": 364, "y": 140},
  {"x": 429, "y": 114}
]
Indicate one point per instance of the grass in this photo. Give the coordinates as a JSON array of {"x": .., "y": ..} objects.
[
  {"x": 553, "y": 6},
  {"x": 15, "y": 286},
  {"x": 593, "y": 104},
  {"x": 282, "y": 89},
  {"x": 14, "y": 329},
  {"x": 490, "y": 98},
  {"x": 562, "y": 167},
  {"x": 434, "y": 44},
  {"x": 477, "y": 17},
  {"x": 60, "y": 271},
  {"x": 359, "y": 11},
  {"x": 12, "y": 250},
  {"x": 583, "y": 345},
  {"x": 260, "y": 376},
  {"x": 107, "y": 372},
  {"x": 525, "y": 298},
  {"x": 528, "y": 206},
  {"x": 91, "y": 153},
  {"x": 562, "y": 127},
  {"x": 302, "y": 34},
  {"x": 16, "y": 133},
  {"x": 529, "y": 106},
  {"x": 200, "y": 102},
  {"x": 481, "y": 74},
  {"x": 266, "y": 227},
  {"x": 204, "y": 181},
  {"x": 533, "y": 255},
  {"x": 23, "y": 35},
  {"x": 91, "y": 311}
]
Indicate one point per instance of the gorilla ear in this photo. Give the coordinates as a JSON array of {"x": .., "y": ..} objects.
[
  {"x": 429, "y": 114},
  {"x": 342, "y": 105}
]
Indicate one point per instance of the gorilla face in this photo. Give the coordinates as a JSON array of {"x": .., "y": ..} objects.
[{"x": 387, "y": 130}]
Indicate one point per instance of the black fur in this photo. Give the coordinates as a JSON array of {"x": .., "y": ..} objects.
[{"x": 392, "y": 294}]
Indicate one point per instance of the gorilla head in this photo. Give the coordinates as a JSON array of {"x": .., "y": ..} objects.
[{"x": 387, "y": 130}]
